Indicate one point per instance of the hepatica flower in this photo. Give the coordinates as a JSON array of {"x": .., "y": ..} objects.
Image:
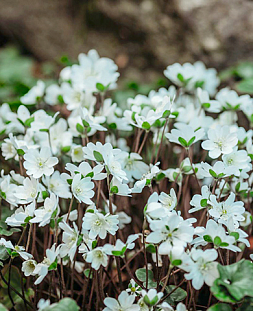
[
  {"x": 38, "y": 163},
  {"x": 221, "y": 141},
  {"x": 185, "y": 135}
]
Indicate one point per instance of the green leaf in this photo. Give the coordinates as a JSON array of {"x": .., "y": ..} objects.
[
  {"x": 66, "y": 304},
  {"x": 247, "y": 305},
  {"x": 180, "y": 77},
  {"x": 220, "y": 307},
  {"x": 182, "y": 141},
  {"x": 141, "y": 274},
  {"x": 203, "y": 202},
  {"x": 178, "y": 295},
  {"x": 150, "y": 248},
  {"x": 212, "y": 173},
  {"x": 176, "y": 262},
  {"x": 191, "y": 141},
  {"x": 20, "y": 152},
  {"x": 87, "y": 273},
  {"x": 235, "y": 282},
  {"x": 112, "y": 126},
  {"x": 65, "y": 149},
  {"x": 114, "y": 189},
  {"x": 206, "y": 105},
  {"x": 217, "y": 241},
  {"x": 245, "y": 86},
  {"x": 85, "y": 123},
  {"x": 98, "y": 156},
  {"x": 3, "y": 253},
  {"x": 29, "y": 121},
  {"x": 2, "y": 308},
  {"x": 207, "y": 238},
  {"x": 100, "y": 87},
  {"x": 146, "y": 126},
  {"x": 80, "y": 128},
  {"x": 235, "y": 235}
]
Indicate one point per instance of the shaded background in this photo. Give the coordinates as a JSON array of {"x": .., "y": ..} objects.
[{"x": 142, "y": 36}]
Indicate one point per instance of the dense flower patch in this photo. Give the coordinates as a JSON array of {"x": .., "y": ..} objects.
[{"x": 147, "y": 207}]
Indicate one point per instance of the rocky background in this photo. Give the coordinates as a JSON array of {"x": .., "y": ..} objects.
[{"x": 142, "y": 36}]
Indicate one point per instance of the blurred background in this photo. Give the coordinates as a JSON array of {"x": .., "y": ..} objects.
[{"x": 142, "y": 36}]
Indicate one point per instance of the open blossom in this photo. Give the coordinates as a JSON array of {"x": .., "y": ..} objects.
[
  {"x": 21, "y": 214},
  {"x": 221, "y": 141},
  {"x": 222, "y": 211},
  {"x": 215, "y": 233},
  {"x": 200, "y": 201},
  {"x": 38, "y": 163},
  {"x": 20, "y": 250},
  {"x": 172, "y": 233},
  {"x": 69, "y": 238},
  {"x": 185, "y": 135},
  {"x": 203, "y": 267},
  {"x": 44, "y": 214},
  {"x": 28, "y": 192},
  {"x": 41, "y": 269},
  {"x": 82, "y": 189},
  {"x": 57, "y": 185},
  {"x": 99, "y": 224},
  {"x": 97, "y": 257},
  {"x": 34, "y": 94},
  {"x": 125, "y": 302}
]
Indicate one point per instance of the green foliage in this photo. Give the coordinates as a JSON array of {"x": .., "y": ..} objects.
[
  {"x": 178, "y": 295},
  {"x": 141, "y": 275},
  {"x": 5, "y": 231},
  {"x": 235, "y": 282},
  {"x": 66, "y": 304},
  {"x": 220, "y": 307}
]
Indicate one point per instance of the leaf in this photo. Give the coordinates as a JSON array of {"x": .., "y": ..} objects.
[
  {"x": 146, "y": 126},
  {"x": 141, "y": 274},
  {"x": 176, "y": 262},
  {"x": 191, "y": 141},
  {"x": 182, "y": 141},
  {"x": 114, "y": 189},
  {"x": 203, "y": 202},
  {"x": 66, "y": 304},
  {"x": 88, "y": 273},
  {"x": 79, "y": 128},
  {"x": 98, "y": 156},
  {"x": 217, "y": 241},
  {"x": 3, "y": 253},
  {"x": 212, "y": 173},
  {"x": 245, "y": 86},
  {"x": 100, "y": 87},
  {"x": 207, "y": 238},
  {"x": 178, "y": 295},
  {"x": 220, "y": 307},
  {"x": 247, "y": 305},
  {"x": 235, "y": 235},
  {"x": 235, "y": 282},
  {"x": 2, "y": 308}
]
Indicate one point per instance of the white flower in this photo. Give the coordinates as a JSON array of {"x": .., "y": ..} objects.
[
  {"x": 28, "y": 267},
  {"x": 229, "y": 99},
  {"x": 237, "y": 160},
  {"x": 221, "y": 141},
  {"x": 28, "y": 192},
  {"x": 43, "y": 304},
  {"x": 169, "y": 201},
  {"x": 42, "y": 121},
  {"x": 89, "y": 121},
  {"x": 57, "y": 185},
  {"x": 125, "y": 302},
  {"x": 133, "y": 165},
  {"x": 226, "y": 209},
  {"x": 172, "y": 232},
  {"x": 34, "y": 94},
  {"x": 20, "y": 215},
  {"x": 8, "y": 149},
  {"x": 206, "y": 103},
  {"x": 59, "y": 136},
  {"x": 217, "y": 171},
  {"x": 44, "y": 214},
  {"x": 82, "y": 189},
  {"x": 96, "y": 257},
  {"x": 41, "y": 270},
  {"x": 53, "y": 92},
  {"x": 200, "y": 201},
  {"x": 99, "y": 225},
  {"x": 69, "y": 238},
  {"x": 18, "y": 249},
  {"x": 38, "y": 163},
  {"x": 77, "y": 154},
  {"x": 93, "y": 70},
  {"x": 151, "y": 297},
  {"x": 203, "y": 268},
  {"x": 185, "y": 135},
  {"x": 216, "y": 234}
]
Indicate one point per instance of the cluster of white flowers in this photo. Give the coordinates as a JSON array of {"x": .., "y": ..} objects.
[{"x": 79, "y": 182}]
